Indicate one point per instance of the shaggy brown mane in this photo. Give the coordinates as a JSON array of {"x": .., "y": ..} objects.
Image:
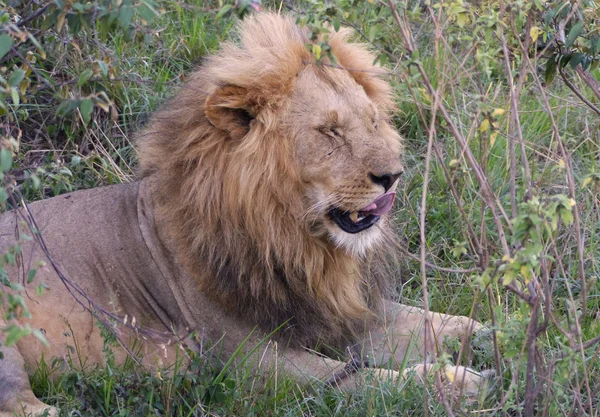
[{"x": 229, "y": 186}]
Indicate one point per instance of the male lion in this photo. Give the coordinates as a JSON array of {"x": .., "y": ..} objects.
[{"x": 261, "y": 209}]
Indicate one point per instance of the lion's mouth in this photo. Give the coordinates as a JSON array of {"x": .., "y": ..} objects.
[{"x": 357, "y": 221}]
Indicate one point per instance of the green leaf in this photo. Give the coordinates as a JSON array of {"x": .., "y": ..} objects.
[
  {"x": 509, "y": 277},
  {"x": 10, "y": 259},
  {"x": 5, "y": 159},
  {"x": 566, "y": 216},
  {"x": 4, "y": 277},
  {"x": 16, "y": 78},
  {"x": 224, "y": 11},
  {"x": 462, "y": 19},
  {"x": 336, "y": 24},
  {"x": 574, "y": 33},
  {"x": 125, "y": 16},
  {"x": 39, "y": 290},
  {"x": 14, "y": 93},
  {"x": 6, "y": 43},
  {"x": 383, "y": 59},
  {"x": 84, "y": 77},
  {"x": 564, "y": 60},
  {"x": 373, "y": 33},
  {"x": 550, "y": 70},
  {"x": 35, "y": 182},
  {"x": 15, "y": 333},
  {"x": 103, "y": 67},
  {"x": 587, "y": 60},
  {"x": 316, "y": 50},
  {"x": 31, "y": 275},
  {"x": 66, "y": 107},
  {"x": 85, "y": 107},
  {"x": 577, "y": 59}
]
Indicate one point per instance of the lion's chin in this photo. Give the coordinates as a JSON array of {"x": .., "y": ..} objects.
[{"x": 356, "y": 244}]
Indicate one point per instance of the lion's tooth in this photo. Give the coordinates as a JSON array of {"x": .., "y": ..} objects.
[{"x": 354, "y": 216}]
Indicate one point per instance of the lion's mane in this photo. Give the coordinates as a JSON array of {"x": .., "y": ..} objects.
[{"x": 232, "y": 196}]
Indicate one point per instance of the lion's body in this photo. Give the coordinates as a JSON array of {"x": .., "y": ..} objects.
[
  {"x": 137, "y": 278},
  {"x": 265, "y": 185}
]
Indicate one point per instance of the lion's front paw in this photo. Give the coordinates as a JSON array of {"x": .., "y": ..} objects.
[
  {"x": 462, "y": 381},
  {"x": 466, "y": 380},
  {"x": 31, "y": 410},
  {"x": 385, "y": 375}
]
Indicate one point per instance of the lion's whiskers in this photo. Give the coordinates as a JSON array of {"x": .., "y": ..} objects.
[{"x": 320, "y": 206}]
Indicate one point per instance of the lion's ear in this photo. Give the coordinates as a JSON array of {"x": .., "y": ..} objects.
[{"x": 228, "y": 109}]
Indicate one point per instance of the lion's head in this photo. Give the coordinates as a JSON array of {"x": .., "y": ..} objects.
[
  {"x": 347, "y": 155},
  {"x": 276, "y": 173}
]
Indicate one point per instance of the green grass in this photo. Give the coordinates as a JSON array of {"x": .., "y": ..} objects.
[
  {"x": 63, "y": 154},
  {"x": 126, "y": 392}
]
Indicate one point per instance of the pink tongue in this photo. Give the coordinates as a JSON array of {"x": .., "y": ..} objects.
[{"x": 381, "y": 205}]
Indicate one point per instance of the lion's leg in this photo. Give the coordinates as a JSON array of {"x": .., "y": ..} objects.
[
  {"x": 400, "y": 340},
  {"x": 401, "y": 333},
  {"x": 308, "y": 368},
  {"x": 16, "y": 397}
]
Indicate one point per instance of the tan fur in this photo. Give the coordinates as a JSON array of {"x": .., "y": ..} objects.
[{"x": 227, "y": 232}]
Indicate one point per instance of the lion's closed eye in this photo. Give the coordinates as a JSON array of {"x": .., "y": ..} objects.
[
  {"x": 335, "y": 136},
  {"x": 331, "y": 131}
]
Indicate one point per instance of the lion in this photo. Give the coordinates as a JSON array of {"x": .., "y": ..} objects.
[{"x": 260, "y": 218}]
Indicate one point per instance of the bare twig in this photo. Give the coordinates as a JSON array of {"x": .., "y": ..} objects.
[
  {"x": 34, "y": 15},
  {"x": 429, "y": 265},
  {"x": 32, "y": 68},
  {"x": 515, "y": 126},
  {"x": 428, "y": 334},
  {"x": 570, "y": 183},
  {"x": 531, "y": 343},
  {"x": 578, "y": 93},
  {"x": 589, "y": 80},
  {"x": 427, "y": 328},
  {"x": 486, "y": 190}
]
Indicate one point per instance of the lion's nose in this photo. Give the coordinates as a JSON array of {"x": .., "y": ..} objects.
[{"x": 385, "y": 180}]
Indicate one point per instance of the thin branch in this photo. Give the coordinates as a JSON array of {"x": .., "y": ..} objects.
[
  {"x": 428, "y": 333},
  {"x": 34, "y": 15},
  {"x": 570, "y": 183},
  {"x": 487, "y": 193},
  {"x": 589, "y": 80},
  {"x": 515, "y": 121},
  {"x": 429, "y": 265},
  {"x": 578, "y": 93},
  {"x": 32, "y": 68}
]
